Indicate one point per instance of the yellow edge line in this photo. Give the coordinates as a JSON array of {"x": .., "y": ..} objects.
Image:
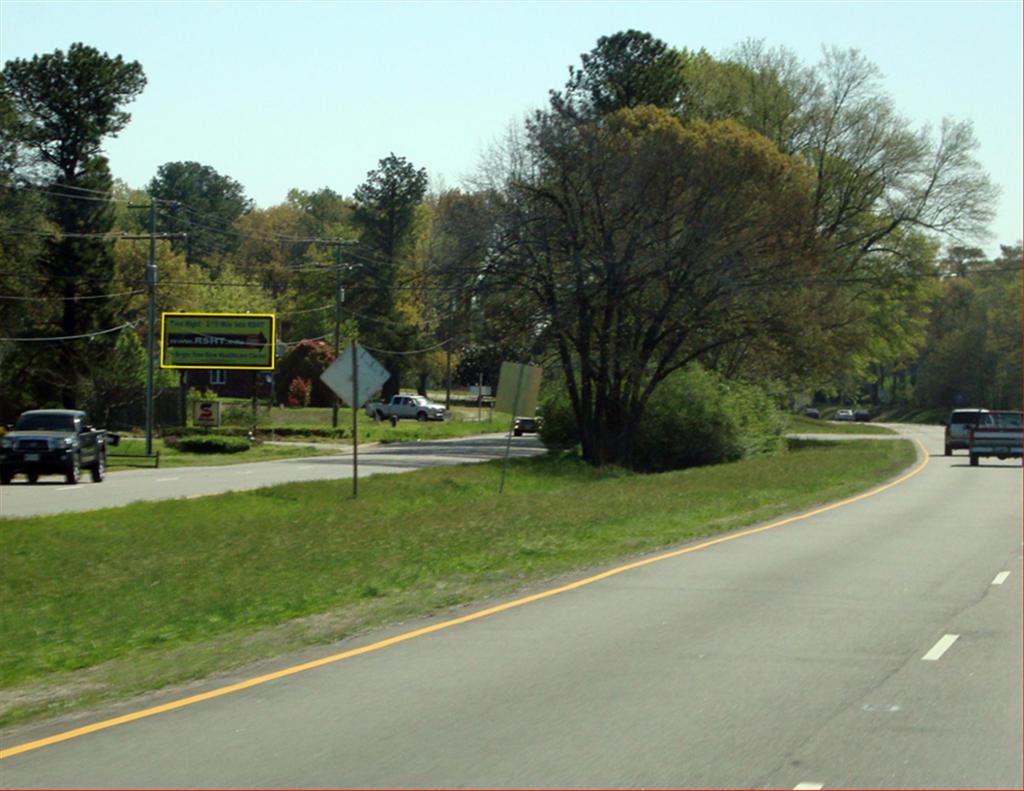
[{"x": 290, "y": 671}]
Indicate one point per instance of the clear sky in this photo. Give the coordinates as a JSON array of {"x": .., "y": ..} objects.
[{"x": 282, "y": 95}]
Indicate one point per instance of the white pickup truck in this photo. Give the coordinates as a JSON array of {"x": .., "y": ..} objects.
[
  {"x": 997, "y": 433},
  {"x": 406, "y": 407}
]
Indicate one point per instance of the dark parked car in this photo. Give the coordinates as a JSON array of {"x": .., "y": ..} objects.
[
  {"x": 525, "y": 425},
  {"x": 811, "y": 412},
  {"x": 861, "y": 415}
]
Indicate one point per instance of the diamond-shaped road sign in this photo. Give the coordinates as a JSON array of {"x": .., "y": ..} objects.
[{"x": 371, "y": 375}]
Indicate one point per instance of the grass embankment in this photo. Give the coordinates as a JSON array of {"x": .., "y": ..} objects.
[
  {"x": 798, "y": 424},
  {"x": 111, "y": 603},
  {"x": 172, "y": 457}
]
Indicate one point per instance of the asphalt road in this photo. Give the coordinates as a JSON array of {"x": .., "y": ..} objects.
[
  {"x": 874, "y": 645},
  {"x": 52, "y": 495}
]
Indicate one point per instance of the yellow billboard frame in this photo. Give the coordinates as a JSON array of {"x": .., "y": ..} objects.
[{"x": 218, "y": 341}]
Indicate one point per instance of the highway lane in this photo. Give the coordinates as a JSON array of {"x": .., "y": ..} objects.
[
  {"x": 52, "y": 495},
  {"x": 876, "y": 645}
]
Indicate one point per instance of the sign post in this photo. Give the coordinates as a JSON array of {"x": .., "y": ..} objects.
[
  {"x": 355, "y": 423},
  {"x": 518, "y": 387},
  {"x": 354, "y": 376}
]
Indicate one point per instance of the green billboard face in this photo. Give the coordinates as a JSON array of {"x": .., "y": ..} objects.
[{"x": 217, "y": 340}]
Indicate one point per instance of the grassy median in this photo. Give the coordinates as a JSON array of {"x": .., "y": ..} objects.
[{"x": 111, "y": 603}]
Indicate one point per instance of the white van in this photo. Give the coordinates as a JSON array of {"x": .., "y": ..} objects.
[{"x": 958, "y": 428}]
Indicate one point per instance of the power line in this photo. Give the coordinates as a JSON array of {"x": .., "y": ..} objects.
[
  {"x": 76, "y": 298},
  {"x": 436, "y": 346},
  {"x": 73, "y": 337}
]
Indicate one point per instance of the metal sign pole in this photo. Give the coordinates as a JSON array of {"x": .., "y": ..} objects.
[
  {"x": 355, "y": 421},
  {"x": 508, "y": 443}
]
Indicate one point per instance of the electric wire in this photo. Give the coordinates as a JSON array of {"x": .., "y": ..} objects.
[{"x": 96, "y": 334}]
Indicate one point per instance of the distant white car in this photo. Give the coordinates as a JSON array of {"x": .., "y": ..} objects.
[{"x": 844, "y": 414}]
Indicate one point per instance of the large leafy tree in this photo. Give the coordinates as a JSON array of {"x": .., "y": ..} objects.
[
  {"x": 65, "y": 105},
  {"x": 884, "y": 193},
  {"x": 647, "y": 243},
  {"x": 973, "y": 352},
  {"x": 202, "y": 204}
]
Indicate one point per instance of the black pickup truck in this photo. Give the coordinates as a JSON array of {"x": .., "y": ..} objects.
[{"x": 54, "y": 441}]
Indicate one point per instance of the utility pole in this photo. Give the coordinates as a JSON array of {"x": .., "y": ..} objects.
[
  {"x": 151, "y": 280},
  {"x": 339, "y": 299},
  {"x": 151, "y": 325},
  {"x": 448, "y": 364}
]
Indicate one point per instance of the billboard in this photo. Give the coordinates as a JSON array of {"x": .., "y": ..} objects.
[{"x": 217, "y": 340}]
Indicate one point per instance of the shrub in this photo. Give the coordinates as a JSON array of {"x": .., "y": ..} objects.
[
  {"x": 299, "y": 392},
  {"x": 697, "y": 417},
  {"x": 558, "y": 430},
  {"x": 306, "y": 360},
  {"x": 211, "y": 444}
]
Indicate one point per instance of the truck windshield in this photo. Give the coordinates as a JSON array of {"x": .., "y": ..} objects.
[{"x": 44, "y": 422}]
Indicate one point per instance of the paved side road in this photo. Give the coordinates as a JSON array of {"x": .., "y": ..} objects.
[{"x": 52, "y": 495}]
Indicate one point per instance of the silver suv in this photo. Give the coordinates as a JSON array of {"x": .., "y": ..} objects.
[{"x": 958, "y": 428}]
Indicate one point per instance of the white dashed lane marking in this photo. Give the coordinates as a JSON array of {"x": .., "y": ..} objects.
[
  {"x": 940, "y": 647},
  {"x": 1000, "y": 578}
]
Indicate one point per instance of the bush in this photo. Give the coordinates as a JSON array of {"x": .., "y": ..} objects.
[
  {"x": 299, "y": 392},
  {"x": 211, "y": 444},
  {"x": 558, "y": 430},
  {"x": 696, "y": 418},
  {"x": 306, "y": 360}
]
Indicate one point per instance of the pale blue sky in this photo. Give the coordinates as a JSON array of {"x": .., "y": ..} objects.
[{"x": 312, "y": 94}]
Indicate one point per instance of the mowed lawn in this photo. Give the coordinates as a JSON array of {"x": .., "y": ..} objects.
[{"x": 115, "y": 602}]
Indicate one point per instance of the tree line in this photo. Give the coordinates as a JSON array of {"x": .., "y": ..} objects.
[{"x": 769, "y": 221}]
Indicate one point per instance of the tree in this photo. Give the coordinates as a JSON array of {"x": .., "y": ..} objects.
[
  {"x": 885, "y": 195},
  {"x": 624, "y": 70},
  {"x": 203, "y": 204},
  {"x": 385, "y": 214},
  {"x": 647, "y": 244},
  {"x": 65, "y": 106},
  {"x": 973, "y": 352}
]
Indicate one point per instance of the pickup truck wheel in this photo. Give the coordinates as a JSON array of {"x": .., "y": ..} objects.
[
  {"x": 974, "y": 460},
  {"x": 99, "y": 468},
  {"x": 33, "y": 477},
  {"x": 394, "y": 421},
  {"x": 379, "y": 415},
  {"x": 421, "y": 417},
  {"x": 74, "y": 473}
]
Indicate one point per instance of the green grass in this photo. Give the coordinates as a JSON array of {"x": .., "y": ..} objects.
[
  {"x": 116, "y": 602},
  {"x": 798, "y": 424},
  {"x": 300, "y": 435},
  {"x": 172, "y": 457}
]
